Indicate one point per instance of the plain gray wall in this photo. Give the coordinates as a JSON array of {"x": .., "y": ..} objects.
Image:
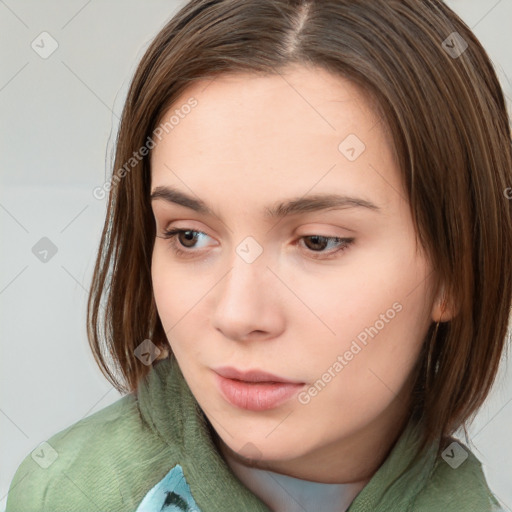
[{"x": 59, "y": 117}]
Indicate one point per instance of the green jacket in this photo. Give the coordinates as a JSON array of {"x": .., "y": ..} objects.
[{"x": 111, "y": 459}]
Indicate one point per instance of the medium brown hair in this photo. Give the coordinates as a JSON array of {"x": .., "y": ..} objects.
[{"x": 447, "y": 120}]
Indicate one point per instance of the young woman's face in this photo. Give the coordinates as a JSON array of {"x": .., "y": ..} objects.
[{"x": 334, "y": 299}]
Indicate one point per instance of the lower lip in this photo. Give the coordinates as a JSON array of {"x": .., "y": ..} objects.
[{"x": 258, "y": 396}]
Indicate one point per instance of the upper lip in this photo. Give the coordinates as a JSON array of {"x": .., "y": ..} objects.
[{"x": 255, "y": 375}]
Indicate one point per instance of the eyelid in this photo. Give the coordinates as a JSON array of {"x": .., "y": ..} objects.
[
  {"x": 188, "y": 225},
  {"x": 304, "y": 230},
  {"x": 323, "y": 228}
]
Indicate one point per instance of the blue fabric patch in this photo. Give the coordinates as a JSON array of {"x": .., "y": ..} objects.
[{"x": 171, "y": 494}]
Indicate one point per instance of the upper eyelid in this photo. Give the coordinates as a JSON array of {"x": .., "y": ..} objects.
[
  {"x": 312, "y": 232},
  {"x": 176, "y": 230},
  {"x": 165, "y": 226}
]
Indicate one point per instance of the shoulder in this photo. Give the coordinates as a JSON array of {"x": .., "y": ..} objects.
[
  {"x": 83, "y": 467},
  {"x": 457, "y": 483}
]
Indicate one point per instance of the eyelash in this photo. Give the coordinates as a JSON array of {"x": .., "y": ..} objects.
[{"x": 171, "y": 235}]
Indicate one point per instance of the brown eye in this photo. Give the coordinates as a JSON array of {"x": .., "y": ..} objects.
[
  {"x": 182, "y": 241},
  {"x": 318, "y": 243},
  {"x": 187, "y": 238}
]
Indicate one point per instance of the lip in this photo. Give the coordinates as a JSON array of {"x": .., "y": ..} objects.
[
  {"x": 256, "y": 375},
  {"x": 254, "y": 390}
]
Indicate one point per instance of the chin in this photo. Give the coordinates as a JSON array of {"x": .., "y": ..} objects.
[{"x": 261, "y": 447}]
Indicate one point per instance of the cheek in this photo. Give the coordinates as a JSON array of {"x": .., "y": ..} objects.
[
  {"x": 352, "y": 383},
  {"x": 161, "y": 282},
  {"x": 369, "y": 329},
  {"x": 169, "y": 289},
  {"x": 338, "y": 303},
  {"x": 179, "y": 296},
  {"x": 174, "y": 287}
]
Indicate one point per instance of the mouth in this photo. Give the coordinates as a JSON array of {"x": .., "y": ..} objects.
[{"x": 254, "y": 390}]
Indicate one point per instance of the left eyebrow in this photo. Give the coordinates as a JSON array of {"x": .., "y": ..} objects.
[{"x": 279, "y": 209}]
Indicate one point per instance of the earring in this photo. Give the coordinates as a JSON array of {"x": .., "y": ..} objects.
[{"x": 432, "y": 344}]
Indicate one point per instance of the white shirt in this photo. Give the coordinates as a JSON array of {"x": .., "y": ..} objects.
[{"x": 283, "y": 493}]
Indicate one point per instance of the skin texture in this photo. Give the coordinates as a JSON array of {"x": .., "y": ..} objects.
[{"x": 252, "y": 141}]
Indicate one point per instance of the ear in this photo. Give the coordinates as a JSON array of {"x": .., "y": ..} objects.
[{"x": 443, "y": 308}]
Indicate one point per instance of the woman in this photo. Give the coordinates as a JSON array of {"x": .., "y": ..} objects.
[{"x": 305, "y": 263}]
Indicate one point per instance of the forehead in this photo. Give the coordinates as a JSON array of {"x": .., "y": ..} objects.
[
  {"x": 311, "y": 95},
  {"x": 252, "y": 134}
]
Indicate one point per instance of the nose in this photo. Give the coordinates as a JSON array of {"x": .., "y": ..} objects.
[{"x": 248, "y": 303}]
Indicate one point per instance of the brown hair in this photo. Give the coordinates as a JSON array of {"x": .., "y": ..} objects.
[{"x": 448, "y": 123}]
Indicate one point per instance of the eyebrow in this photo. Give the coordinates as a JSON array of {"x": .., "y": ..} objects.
[{"x": 282, "y": 209}]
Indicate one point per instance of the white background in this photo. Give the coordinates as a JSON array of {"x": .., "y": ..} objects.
[{"x": 59, "y": 118}]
